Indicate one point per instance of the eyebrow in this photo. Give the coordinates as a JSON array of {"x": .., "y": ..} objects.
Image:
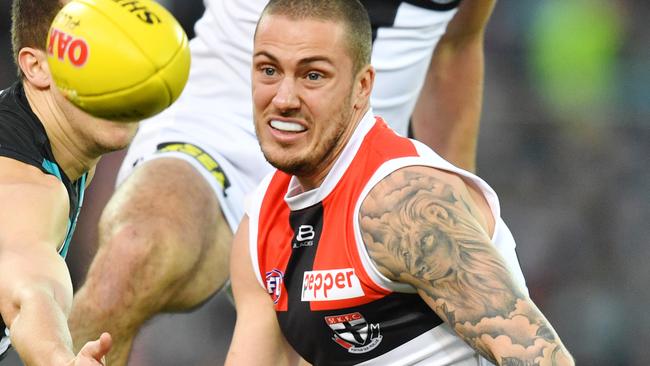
[
  {"x": 302, "y": 62},
  {"x": 266, "y": 54}
]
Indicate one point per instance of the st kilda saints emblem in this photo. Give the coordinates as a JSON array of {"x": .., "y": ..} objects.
[{"x": 354, "y": 333}]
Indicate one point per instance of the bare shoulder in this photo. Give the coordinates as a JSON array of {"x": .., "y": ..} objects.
[
  {"x": 417, "y": 211},
  {"x": 16, "y": 172},
  {"x": 422, "y": 227},
  {"x": 39, "y": 202}
]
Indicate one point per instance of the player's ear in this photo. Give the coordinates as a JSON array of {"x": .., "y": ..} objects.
[
  {"x": 364, "y": 81},
  {"x": 33, "y": 63}
]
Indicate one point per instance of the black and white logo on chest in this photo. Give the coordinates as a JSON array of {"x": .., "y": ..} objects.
[{"x": 307, "y": 225}]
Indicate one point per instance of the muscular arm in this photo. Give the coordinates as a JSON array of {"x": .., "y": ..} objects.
[
  {"x": 36, "y": 291},
  {"x": 422, "y": 227},
  {"x": 447, "y": 113},
  {"x": 257, "y": 339}
]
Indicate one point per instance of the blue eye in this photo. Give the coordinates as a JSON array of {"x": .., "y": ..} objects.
[
  {"x": 268, "y": 71},
  {"x": 314, "y": 76}
]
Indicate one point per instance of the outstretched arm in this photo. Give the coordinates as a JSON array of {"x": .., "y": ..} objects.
[
  {"x": 448, "y": 111},
  {"x": 425, "y": 227},
  {"x": 36, "y": 292},
  {"x": 257, "y": 339}
]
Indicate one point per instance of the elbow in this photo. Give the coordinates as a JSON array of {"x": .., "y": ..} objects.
[{"x": 35, "y": 295}]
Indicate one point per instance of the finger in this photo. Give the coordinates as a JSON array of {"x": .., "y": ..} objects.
[
  {"x": 105, "y": 342},
  {"x": 98, "y": 348}
]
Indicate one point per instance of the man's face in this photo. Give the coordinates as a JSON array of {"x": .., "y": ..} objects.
[
  {"x": 100, "y": 136},
  {"x": 303, "y": 86}
]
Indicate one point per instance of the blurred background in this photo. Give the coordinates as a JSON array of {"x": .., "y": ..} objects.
[{"x": 565, "y": 142}]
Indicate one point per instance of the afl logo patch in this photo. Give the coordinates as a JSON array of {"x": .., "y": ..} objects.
[
  {"x": 354, "y": 333},
  {"x": 274, "y": 280}
]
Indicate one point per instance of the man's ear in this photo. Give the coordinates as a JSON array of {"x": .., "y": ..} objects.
[
  {"x": 365, "y": 81},
  {"x": 33, "y": 63}
]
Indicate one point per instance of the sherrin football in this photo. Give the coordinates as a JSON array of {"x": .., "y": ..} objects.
[{"x": 122, "y": 60}]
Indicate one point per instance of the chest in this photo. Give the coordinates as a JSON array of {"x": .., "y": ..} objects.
[{"x": 328, "y": 308}]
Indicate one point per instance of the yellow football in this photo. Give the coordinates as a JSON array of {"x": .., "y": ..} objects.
[{"x": 122, "y": 60}]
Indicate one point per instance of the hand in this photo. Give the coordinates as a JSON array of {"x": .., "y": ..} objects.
[{"x": 93, "y": 352}]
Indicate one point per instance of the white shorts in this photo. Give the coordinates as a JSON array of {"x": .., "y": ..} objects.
[
  {"x": 213, "y": 116},
  {"x": 210, "y": 126},
  {"x": 229, "y": 183}
]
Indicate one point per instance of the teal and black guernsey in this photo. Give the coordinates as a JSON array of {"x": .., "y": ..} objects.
[{"x": 23, "y": 138}]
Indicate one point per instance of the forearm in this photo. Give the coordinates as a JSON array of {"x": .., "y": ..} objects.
[
  {"x": 39, "y": 332},
  {"x": 518, "y": 334},
  {"x": 447, "y": 114}
]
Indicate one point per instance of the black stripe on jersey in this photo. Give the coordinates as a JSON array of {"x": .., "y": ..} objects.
[
  {"x": 382, "y": 13},
  {"x": 307, "y": 225},
  {"x": 434, "y": 4}
]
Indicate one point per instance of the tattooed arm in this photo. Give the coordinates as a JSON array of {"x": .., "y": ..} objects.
[{"x": 428, "y": 228}]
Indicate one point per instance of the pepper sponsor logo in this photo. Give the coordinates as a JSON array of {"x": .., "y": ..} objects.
[{"x": 336, "y": 284}]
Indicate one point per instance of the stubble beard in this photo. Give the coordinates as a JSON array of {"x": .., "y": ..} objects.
[{"x": 309, "y": 163}]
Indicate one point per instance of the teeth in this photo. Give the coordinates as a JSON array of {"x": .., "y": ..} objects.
[{"x": 287, "y": 126}]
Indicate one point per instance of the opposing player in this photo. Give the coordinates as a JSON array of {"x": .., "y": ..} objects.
[
  {"x": 165, "y": 235},
  {"x": 48, "y": 152},
  {"x": 364, "y": 247}
]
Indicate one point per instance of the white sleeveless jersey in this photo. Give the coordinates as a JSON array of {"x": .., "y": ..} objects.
[{"x": 214, "y": 112}]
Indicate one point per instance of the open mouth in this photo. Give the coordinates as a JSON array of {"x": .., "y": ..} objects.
[{"x": 287, "y": 126}]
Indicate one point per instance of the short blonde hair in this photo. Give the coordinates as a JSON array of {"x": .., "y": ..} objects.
[{"x": 351, "y": 13}]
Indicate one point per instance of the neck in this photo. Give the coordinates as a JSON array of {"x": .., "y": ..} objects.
[
  {"x": 72, "y": 153},
  {"x": 312, "y": 181}
]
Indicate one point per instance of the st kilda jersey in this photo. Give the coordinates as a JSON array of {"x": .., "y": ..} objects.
[
  {"x": 23, "y": 138},
  {"x": 332, "y": 304}
]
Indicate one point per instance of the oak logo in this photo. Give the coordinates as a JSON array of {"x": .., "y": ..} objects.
[
  {"x": 65, "y": 46},
  {"x": 336, "y": 284}
]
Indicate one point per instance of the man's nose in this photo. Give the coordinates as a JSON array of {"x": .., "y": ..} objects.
[{"x": 286, "y": 97}]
